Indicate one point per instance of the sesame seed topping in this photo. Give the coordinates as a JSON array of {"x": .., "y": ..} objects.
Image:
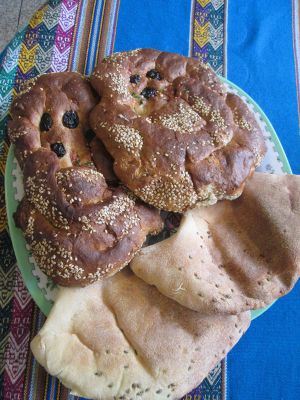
[
  {"x": 130, "y": 138},
  {"x": 46, "y": 253},
  {"x": 241, "y": 121},
  {"x": 185, "y": 120},
  {"x": 216, "y": 117},
  {"x": 118, "y": 82},
  {"x": 201, "y": 106},
  {"x": 15, "y": 134},
  {"x": 35, "y": 189},
  {"x": 30, "y": 225},
  {"x": 168, "y": 190}
]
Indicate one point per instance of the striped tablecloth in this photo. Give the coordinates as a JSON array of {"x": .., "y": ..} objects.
[{"x": 74, "y": 35}]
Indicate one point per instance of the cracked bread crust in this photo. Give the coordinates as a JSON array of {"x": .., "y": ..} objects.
[{"x": 176, "y": 136}]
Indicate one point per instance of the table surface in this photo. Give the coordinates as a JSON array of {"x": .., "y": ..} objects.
[{"x": 14, "y": 15}]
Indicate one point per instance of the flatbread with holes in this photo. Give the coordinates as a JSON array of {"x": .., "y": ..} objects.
[
  {"x": 122, "y": 339},
  {"x": 233, "y": 256}
]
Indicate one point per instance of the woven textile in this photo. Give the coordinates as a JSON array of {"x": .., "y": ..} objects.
[
  {"x": 62, "y": 35},
  {"x": 70, "y": 35},
  {"x": 208, "y": 34}
]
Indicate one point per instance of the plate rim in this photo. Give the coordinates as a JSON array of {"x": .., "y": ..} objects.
[
  {"x": 275, "y": 138},
  {"x": 18, "y": 240},
  {"x": 280, "y": 150},
  {"x": 19, "y": 244}
]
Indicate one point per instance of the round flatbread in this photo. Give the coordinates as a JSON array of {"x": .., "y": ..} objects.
[
  {"x": 233, "y": 256},
  {"x": 121, "y": 339}
]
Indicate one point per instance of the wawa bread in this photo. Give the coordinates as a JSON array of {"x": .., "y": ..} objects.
[
  {"x": 176, "y": 136},
  {"x": 79, "y": 229}
]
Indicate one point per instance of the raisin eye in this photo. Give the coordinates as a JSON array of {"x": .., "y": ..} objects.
[
  {"x": 153, "y": 74},
  {"x": 89, "y": 135},
  {"x": 70, "y": 119},
  {"x": 46, "y": 122},
  {"x": 59, "y": 149},
  {"x": 135, "y": 79},
  {"x": 148, "y": 92}
]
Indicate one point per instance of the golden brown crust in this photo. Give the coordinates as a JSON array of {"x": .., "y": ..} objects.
[
  {"x": 121, "y": 339},
  {"x": 79, "y": 229},
  {"x": 103, "y": 160},
  {"x": 53, "y": 94},
  {"x": 234, "y": 256},
  {"x": 184, "y": 140}
]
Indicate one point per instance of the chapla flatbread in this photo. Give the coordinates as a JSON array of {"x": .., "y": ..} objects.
[
  {"x": 233, "y": 256},
  {"x": 122, "y": 339}
]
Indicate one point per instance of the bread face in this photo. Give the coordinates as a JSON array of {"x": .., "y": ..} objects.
[
  {"x": 176, "y": 137},
  {"x": 122, "y": 339},
  {"x": 78, "y": 228},
  {"x": 52, "y": 113}
]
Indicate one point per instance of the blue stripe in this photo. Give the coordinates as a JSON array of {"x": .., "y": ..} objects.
[
  {"x": 225, "y": 40},
  {"x": 50, "y": 383},
  {"x": 191, "y": 35},
  {"x": 92, "y": 48},
  {"x": 112, "y": 19},
  {"x": 56, "y": 381},
  {"x": 80, "y": 30},
  {"x": 296, "y": 32},
  {"x": 158, "y": 24}
]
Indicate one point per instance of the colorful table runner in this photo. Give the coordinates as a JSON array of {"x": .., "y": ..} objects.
[{"x": 74, "y": 35}]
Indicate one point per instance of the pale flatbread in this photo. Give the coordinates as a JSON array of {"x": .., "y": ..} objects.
[
  {"x": 122, "y": 339},
  {"x": 234, "y": 256}
]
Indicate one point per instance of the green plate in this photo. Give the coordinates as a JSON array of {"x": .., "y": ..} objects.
[{"x": 41, "y": 288}]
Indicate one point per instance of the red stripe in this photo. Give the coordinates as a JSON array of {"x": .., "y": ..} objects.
[{"x": 18, "y": 342}]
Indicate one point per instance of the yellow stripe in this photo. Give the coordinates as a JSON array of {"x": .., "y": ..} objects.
[
  {"x": 58, "y": 391},
  {"x": 3, "y": 158},
  {"x": 203, "y": 3},
  {"x": 38, "y": 16},
  {"x": 201, "y": 33},
  {"x": 3, "y": 222},
  {"x": 27, "y": 56}
]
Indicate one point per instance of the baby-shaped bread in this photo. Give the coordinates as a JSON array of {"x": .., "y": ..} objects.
[{"x": 79, "y": 229}]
